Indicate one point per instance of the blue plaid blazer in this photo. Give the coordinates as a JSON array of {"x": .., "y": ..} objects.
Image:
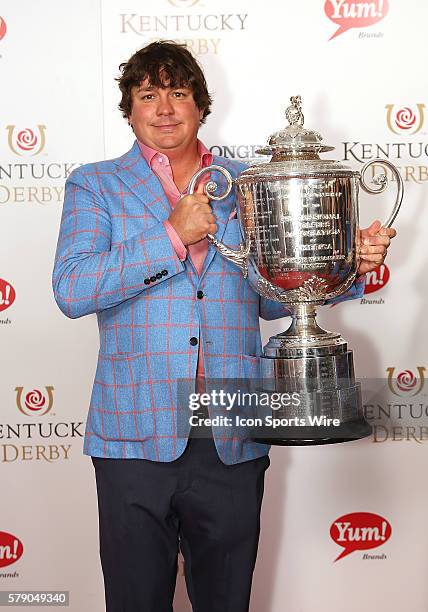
[{"x": 114, "y": 258}]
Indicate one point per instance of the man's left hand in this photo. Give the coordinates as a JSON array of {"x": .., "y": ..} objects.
[{"x": 373, "y": 242}]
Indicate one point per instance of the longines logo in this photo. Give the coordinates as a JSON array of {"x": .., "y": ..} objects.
[
  {"x": 406, "y": 384},
  {"x": 26, "y": 141},
  {"x": 405, "y": 120},
  {"x": 356, "y": 14},
  {"x": 3, "y": 28},
  {"x": 34, "y": 402},
  {"x": 236, "y": 151}
]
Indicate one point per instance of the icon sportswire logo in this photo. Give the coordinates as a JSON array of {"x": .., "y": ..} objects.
[
  {"x": 356, "y": 14},
  {"x": 406, "y": 383},
  {"x": 404, "y": 119},
  {"x": 26, "y": 141},
  {"x": 34, "y": 402}
]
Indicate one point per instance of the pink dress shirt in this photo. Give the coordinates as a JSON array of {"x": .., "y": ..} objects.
[{"x": 160, "y": 165}]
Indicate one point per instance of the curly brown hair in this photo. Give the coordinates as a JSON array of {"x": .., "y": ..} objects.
[{"x": 163, "y": 63}]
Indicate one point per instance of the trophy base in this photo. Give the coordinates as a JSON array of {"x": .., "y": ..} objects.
[{"x": 325, "y": 401}]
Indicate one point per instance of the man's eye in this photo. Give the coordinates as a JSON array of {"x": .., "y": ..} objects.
[
  {"x": 179, "y": 94},
  {"x": 147, "y": 97}
]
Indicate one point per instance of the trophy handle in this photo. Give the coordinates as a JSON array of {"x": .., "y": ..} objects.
[
  {"x": 382, "y": 181},
  {"x": 239, "y": 257}
]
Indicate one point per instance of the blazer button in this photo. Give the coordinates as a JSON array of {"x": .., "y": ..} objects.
[
  {"x": 147, "y": 281},
  {"x": 158, "y": 275},
  {"x": 164, "y": 272},
  {"x": 153, "y": 278},
  {"x": 200, "y": 294},
  {"x": 193, "y": 341}
]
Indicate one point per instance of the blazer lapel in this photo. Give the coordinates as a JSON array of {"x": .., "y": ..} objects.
[{"x": 135, "y": 172}]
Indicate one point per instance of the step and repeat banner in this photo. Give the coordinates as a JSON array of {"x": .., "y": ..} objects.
[{"x": 343, "y": 526}]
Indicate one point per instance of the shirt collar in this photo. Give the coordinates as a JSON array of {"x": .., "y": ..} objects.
[{"x": 149, "y": 154}]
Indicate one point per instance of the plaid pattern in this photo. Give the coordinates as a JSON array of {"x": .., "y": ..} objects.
[{"x": 112, "y": 241}]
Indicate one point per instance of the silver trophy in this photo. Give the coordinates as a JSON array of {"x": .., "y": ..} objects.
[{"x": 298, "y": 216}]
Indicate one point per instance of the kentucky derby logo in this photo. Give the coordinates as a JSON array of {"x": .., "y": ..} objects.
[
  {"x": 357, "y": 14},
  {"x": 406, "y": 383},
  {"x": 3, "y": 28},
  {"x": 26, "y": 141},
  {"x": 403, "y": 119},
  {"x": 183, "y": 3},
  {"x": 34, "y": 401}
]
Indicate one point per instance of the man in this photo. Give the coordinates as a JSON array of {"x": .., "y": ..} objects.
[{"x": 132, "y": 248}]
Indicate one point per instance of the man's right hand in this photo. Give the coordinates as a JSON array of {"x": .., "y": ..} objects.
[{"x": 192, "y": 217}]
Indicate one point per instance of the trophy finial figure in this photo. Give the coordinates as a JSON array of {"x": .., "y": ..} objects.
[{"x": 294, "y": 113}]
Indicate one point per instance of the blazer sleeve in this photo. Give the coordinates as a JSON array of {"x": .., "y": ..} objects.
[
  {"x": 269, "y": 309},
  {"x": 89, "y": 273}
]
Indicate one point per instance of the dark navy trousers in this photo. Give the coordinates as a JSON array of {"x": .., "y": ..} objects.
[{"x": 149, "y": 510}]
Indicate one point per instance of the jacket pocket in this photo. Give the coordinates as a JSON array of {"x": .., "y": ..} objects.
[{"x": 123, "y": 402}]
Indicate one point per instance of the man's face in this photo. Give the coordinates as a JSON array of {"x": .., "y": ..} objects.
[{"x": 163, "y": 118}]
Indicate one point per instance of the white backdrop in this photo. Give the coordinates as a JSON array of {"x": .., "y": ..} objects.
[{"x": 363, "y": 89}]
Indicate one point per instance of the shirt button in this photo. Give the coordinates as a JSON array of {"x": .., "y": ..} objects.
[
  {"x": 200, "y": 295},
  {"x": 193, "y": 341},
  {"x": 160, "y": 159},
  {"x": 159, "y": 275},
  {"x": 153, "y": 279}
]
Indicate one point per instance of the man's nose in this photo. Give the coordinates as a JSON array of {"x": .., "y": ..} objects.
[{"x": 164, "y": 106}]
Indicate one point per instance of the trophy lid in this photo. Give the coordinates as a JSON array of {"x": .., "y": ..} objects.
[{"x": 294, "y": 142}]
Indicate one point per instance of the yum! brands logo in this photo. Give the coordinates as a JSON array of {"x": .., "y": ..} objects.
[
  {"x": 406, "y": 383},
  {"x": 7, "y": 294},
  {"x": 34, "y": 403},
  {"x": 3, "y": 28},
  {"x": 360, "y": 531},
  {"x": 376, "y": 279},
  {"x": 354, "y": 14},
  {"x": 11, "y": 549},
  {"x": 404, "y": 119},
  {"x": 26, "y": 141}
]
